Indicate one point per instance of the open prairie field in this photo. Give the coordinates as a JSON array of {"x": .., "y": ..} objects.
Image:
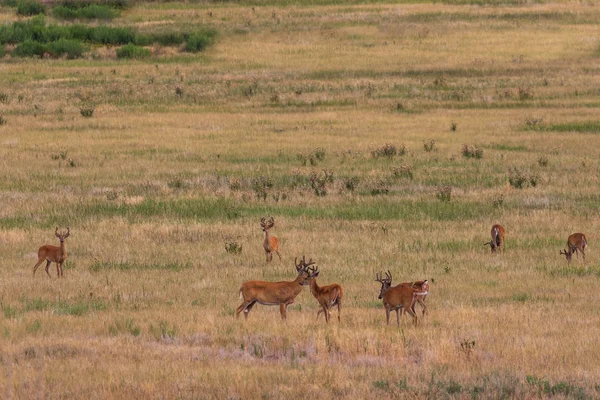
[{"x": 378, "y": 135}]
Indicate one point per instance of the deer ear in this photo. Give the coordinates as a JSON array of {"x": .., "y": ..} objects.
[{"x": 316, "y": 274}]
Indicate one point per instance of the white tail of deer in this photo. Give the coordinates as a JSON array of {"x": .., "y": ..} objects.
[
  {"x": 576, "y": 243},
  {"x": 271, "y": 243},
  {"x": 280, "y": 294},
  {"x": 327, "y": 296},
  {"x": 50, "y": 254}
]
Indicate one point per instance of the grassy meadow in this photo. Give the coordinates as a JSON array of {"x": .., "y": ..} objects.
[{"x": 379, "y": 135}]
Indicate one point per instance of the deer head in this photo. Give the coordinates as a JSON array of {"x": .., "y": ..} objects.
[
  {"x": 492, "y": 245},
  {"x": 567, "y": 254},
  {"x": 386, "y": 282},
  {"x": 266, "y": 225},
  {"x": 304, "y": 268},
  {"x": 60, "y": 235}
]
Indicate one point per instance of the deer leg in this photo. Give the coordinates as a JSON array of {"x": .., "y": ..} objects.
[
  {"x": 279, "y": 255},
  {"x": 283, "y": 310},
  {"x": 40, "y": 261},
  {"x": 319, "y": 313},
  {"x": 326, "y": 312},
  {"x": 48, "y": 262},
  {"x": 398, "y": 317},
  {"x": 245, "y": 307},
  {"x": 339, "y": 305},
  {"x": 412, "y": 312},
  {"x": 387, "y": 314},
  {"x": 422, "y": 303}
]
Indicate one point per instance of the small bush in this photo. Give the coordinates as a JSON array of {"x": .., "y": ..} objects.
[
  {"x": 177, "y": 182},
  {"x": 29, "y": 7},
  {"x": 429, "y": 145},
  {"x": 498, "y": 201},
  {"x": 233, "y": 247},
  {"x": 379, "y": 187},
  {"x": 198, "y": 41},
  {"x": 29, "y": 48},
  {"x": 132, "y": 51},
  {"x": 387, "y": 150},
  {"x": 453, "y": 126},
  {"x": 471, "y": 151},
  {"x": 2, "y": 120},
  {"x": 87, "y": 111},
  {"x": 444, "y": 193},
  {"x": 525, "y": 94},
  {"x": 71, "y": 48},
  {"x": 520, "y": 179},
  {"x": 404, "y": 171},
  {"x": 261, "y": 186},
  {"x": 319, "y": 182},
  {"x": 351, "y": 183},
  {"x": 543, "y": 161}
]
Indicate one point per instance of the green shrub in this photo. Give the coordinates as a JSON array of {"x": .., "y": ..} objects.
[
  {"x": 77, "y": 4},
  {"x": 91, "y": 11},
  {"x": 29, "y": 7},
  {"x": 110, "y": 35},
  {"x": 72, "y": 48},
  {"x": 132, "y": 51},
  {"x": 30, "y": 48},
  {"x": 199, "y": 41}
]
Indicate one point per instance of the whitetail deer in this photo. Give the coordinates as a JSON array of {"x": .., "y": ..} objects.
[
  {"x": 271, "y": 243},
  {"x": 402, "y": 297},
  {"x": 327, "y": 296},
  {"x": 274, "y": 293},
  {"x": 497, "y": 241},
  {"x": 576, "y": 242},
  {"x": 57, "y": 254}
]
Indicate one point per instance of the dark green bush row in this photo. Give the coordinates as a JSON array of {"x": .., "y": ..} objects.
[
  {"x": 88, "y": 12},
  {"x": 30, "y": 7},
  {"x": 75, "y": 4},
  {"x": 36, "y": 29},
  {"x": 31, "y": 48}
]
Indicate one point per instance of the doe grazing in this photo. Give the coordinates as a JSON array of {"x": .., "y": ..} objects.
[
  {"x": 280, "y": 294},
  {"x": 271, "y": 244},
  {"x": 576, "y": 242},
  {"x": 50, "y": 254},
  {"x": 401, "y": 297},
  {"x": 327, "y": 296},
  {"x": 497, "y": 241}
]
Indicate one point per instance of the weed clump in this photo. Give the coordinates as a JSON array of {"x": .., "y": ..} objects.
[
  {"x": 403, "y": 171},
  {"x": 388, "y": 150},
  {"x": 30, "y": 7},
  {"x": 87, "y": 111},
  {"x": 315, "y": 156},
  {"x": 444, "y": 193},
  {"x": 429, "y": 145},
  {"x": 319, "y": 182},
  {"x": 262, "y": 185},
  {"x": 232, "y": 246},
  {"x": 471, "y": 151},
  {"x": 199, "y": 41},
  {"x": 520, "y": 179},
  {"x": 351, "y": 183}
]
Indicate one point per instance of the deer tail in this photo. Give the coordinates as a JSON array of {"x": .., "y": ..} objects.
[
  {"x": 584, "y": 242},
  {"x": 241, "y": 294}
]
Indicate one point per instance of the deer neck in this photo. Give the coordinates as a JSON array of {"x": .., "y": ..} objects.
[
  {"x": 267, "y": 237},
  {"x": 297, "y": 285},
  {"x": 62, "y": 250},
  {"x": 314, "y": 288}
]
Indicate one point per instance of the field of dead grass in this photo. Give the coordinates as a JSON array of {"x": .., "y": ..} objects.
[{"x": 185, "y": 153}]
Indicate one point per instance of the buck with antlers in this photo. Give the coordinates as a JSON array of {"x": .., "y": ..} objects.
[
  {"x": 497, "y": 238},
  {"x": 271, "y": 243},
  {"x": 274, "y": 293},
  {"x": 57, "y": 254},
  {"x": 400, "y": 298},
  {"x": 576, "y": 242},
  {"x": 327, "y": 296}
]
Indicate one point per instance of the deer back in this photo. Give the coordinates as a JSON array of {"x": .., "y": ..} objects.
[
  {"x": 400, "y": 295},
  {"x": 273, "y": 292},
  {"x": 577, "y": 240},
  {"x": 326, "y": 294}
]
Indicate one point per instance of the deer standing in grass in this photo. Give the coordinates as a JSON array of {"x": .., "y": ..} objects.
[
  {"x": 577, "y": 242},
  {"x": 327, "y": 296},
  {"x": 50, "y": 254},
  {"x": 401, "y": 297},
  {"x": 274, "y": 293},
  {"x": 497, "y": 238},
  {"x": 271, "y": 243}
]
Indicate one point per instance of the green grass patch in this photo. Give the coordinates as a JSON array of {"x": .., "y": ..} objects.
[
  {"x": 566, "y": 127},
  {"x": 29, "y": 7},
  {"x": 98, "y": 266},
  {"x": 506, "y": 147},
  {"x": 133, "y": 51}
]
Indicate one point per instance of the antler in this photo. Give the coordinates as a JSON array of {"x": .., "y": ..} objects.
[
  {"x": 271, "y": 222},
  {"x": 388, "y": 276},
  {"x": 262, "y": 222},
  {"x": 68, "y": 233},
  {"x": 56, "y": 232},
  {"x": 380, "y": 279},
  {"x": 303, "y": 265}
]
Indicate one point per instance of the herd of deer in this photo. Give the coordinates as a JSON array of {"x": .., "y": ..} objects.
[{"x": 400, "y": 298}]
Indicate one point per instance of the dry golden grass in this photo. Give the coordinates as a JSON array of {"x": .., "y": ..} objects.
[{"x": 154, "y": 184}]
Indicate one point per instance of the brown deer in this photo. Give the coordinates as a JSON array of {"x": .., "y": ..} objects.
[
  {"x": 422, "y": 288},
  {"x": 576, "y": 242},
  {"x": 401, "y": 297},
  {"x": 271, "y": 243},
  {"x": 327, "y": 296},
  {"x": 57, "y": 254},
  {"x": 497, "y": 238},
  {"x": 274, "y": 293}
]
